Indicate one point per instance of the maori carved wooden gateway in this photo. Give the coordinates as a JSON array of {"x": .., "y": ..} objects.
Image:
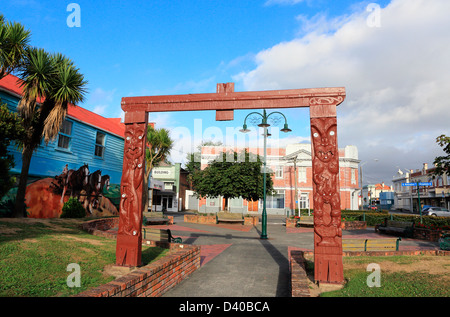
[{"x": 327, "y": 213}]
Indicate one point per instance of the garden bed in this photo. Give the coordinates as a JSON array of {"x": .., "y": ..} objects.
[
  {"x": 212, "y": 219},
  {"x": 427, "y": 234},
  {"x": 353, "y": 225}
]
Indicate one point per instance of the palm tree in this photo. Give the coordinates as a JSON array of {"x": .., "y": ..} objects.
[
  {"x": 159, "y": 146},
  {"x": 50, "y": 83},
  {"x": 14, "y": 41}
]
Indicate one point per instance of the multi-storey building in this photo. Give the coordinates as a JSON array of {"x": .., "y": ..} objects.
[
  {"x": 292, "y": 180},
  {"x": 407, "y": 197}
]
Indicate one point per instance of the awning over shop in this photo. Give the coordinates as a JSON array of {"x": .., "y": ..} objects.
[{"x": 156, "y": 184}]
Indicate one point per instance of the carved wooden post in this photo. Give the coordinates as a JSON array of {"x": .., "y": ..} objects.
[
  {"x": 328, "y": 266},
  {"x": 129, "y": 237}
]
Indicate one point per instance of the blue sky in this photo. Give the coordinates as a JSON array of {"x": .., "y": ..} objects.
[{"x": 393, "y": 71}]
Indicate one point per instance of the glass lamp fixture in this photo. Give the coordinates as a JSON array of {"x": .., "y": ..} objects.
[{"x": 286, "y": 128}]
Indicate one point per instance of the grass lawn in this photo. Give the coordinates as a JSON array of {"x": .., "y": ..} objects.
[
  {"x": 400, "y": 276},
  {"x": 35, "y": 253}
]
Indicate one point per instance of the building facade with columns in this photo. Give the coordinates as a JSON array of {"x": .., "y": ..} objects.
[{"x": 292, "y": 180}]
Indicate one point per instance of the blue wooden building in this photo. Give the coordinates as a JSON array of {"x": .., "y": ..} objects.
[{"x": 84, "y": 137}]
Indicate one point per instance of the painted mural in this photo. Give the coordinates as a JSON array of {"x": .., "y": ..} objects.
[{"x": 45, "y": 197}]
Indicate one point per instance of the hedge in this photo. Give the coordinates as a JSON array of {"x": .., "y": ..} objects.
[{"x": 374, "y": 218}]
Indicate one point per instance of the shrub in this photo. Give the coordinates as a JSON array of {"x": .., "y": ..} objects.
[{"x": 73, "y": 209}]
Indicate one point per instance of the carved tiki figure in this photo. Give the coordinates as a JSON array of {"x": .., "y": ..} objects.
[
  {"x": 327, "y": 206},
  {"x": 131, "y": 202}
]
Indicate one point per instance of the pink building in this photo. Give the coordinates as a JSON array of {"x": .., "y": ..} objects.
[{"x": 292, "y": 169}]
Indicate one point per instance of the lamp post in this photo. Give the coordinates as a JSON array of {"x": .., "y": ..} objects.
[
  {"x": 361, "y": 182},
  {"x": 264, "y": 125}
]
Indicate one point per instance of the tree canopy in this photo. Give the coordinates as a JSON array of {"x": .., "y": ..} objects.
[
  {"x": 50, "y": 82},
  {"x": 158, "y": 149},
  {"x": 232, "y": 175},
  {"x": 11, "y": 129},
  {"x": 442, "y": 163}
]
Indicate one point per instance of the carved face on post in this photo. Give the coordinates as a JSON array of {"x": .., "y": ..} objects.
[
  {"x": 325, "y": 139},
  {"x": 133, "y": 142}
]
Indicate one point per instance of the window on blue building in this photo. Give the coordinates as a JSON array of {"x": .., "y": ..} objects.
[
  {"x": 65, "y": 135},
  {"x": 99, "y": 144}
]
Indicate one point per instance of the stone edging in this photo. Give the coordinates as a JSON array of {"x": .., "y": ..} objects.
[{"x": 151, "y": 280}]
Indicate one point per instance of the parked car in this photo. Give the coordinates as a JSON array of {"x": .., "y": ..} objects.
[{"x": 437, "y": 211}]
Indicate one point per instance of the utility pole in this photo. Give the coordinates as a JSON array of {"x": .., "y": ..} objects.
[{"x": 297, "y": 202}]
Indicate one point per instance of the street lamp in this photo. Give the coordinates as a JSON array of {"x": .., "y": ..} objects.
[{"x": 265, "y": 125}]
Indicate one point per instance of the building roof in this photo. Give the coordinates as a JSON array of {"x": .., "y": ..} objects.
[
  {"x": 11, "y": 84},
  {"x": 382, "y": 187}
]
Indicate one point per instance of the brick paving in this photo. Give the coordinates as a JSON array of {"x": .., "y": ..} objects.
[
  {"x": 236, "y": 262},
  {"x": 209, "y": 252}
]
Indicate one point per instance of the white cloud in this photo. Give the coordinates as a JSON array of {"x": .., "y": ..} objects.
[
  {"x": 100, "y": 100},
  {"x": 100, "y": 109},
  {"x": 396, "y": 78}
]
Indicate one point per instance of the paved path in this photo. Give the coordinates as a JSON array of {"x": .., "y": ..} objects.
[{"x": 235, "y": 262}]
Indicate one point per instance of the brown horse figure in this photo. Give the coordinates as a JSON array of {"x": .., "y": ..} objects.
[
  {"x": 75, "y": 181},
  {"x": 94, "y": 189},
  {"x": 104, "y": 181}
]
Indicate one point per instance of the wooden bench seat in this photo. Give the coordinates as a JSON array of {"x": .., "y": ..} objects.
[
  {"x": 155, "y": 217},
  {"x": 361, "y": 244},
  {"x": 405, "y": 228},
  {"x": 163, "y": 235},
  {"x": 230, "y": 217},
  {"x": 306, "y": 221}
]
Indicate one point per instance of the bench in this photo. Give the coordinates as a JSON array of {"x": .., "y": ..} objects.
[
  {"x": 163, "y": 235},
  {"x": 306, "y": 221},
  {"x": 230, "y": 217},
  {"x": 405, "y": 228},
  {"x": 349, "y": 244},
  {"x": 155, "y": 217}
]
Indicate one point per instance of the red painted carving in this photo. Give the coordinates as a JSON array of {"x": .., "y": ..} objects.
[
  {"x": 128, "y": 251},
  {"x": 327, "y": 206}
]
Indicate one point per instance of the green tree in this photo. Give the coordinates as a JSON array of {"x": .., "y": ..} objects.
[
  {"x": 193, "y": 162},
  {"x": 442, "y": 163},
  {"x": 50, "y": 83},
  {"x": 159, "y": 146},
  {"x": 14, "y": 39},
  {"x": 232, "y": 175},
  {"x": 11, "y": 129}
]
